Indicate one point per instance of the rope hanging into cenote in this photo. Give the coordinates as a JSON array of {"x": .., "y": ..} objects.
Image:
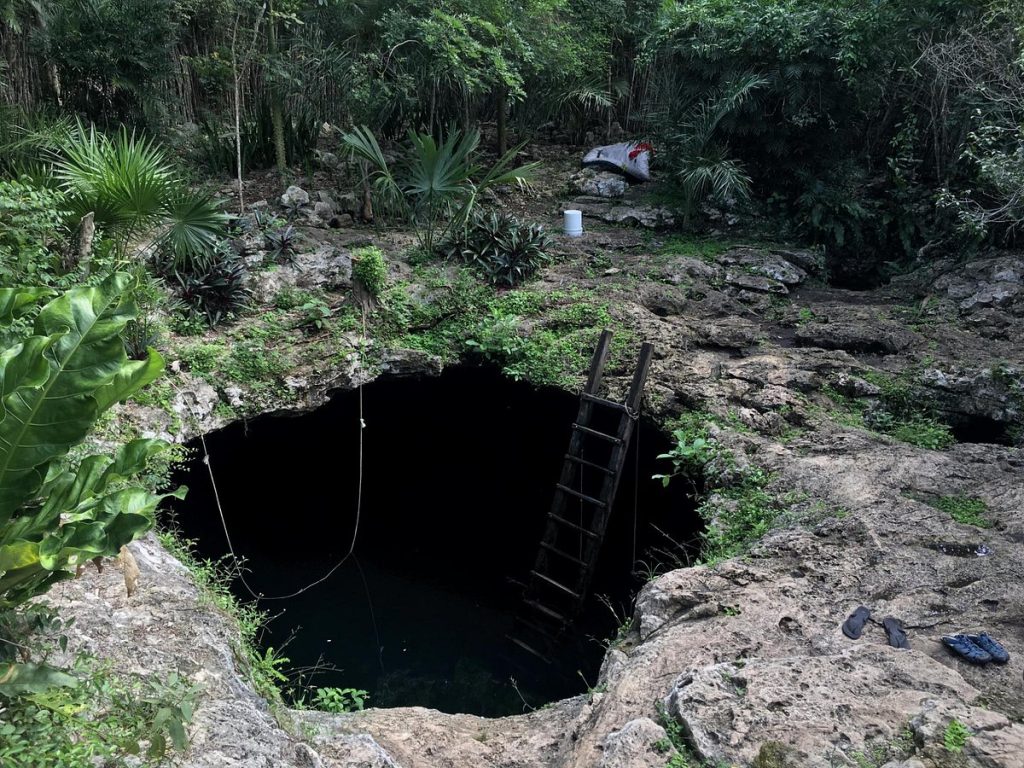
[{"x": 355, "y": 530}]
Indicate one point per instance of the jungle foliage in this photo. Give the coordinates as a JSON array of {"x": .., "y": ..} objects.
[
  {"x": 59, "y": 372},
  {"x": 887, "y": 132}
]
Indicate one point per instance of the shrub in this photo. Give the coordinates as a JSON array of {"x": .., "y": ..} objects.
[
  {"x": 499, "y": 246},
  {"x": 281, "y": 244},
  {"x": 213, "y": 286},
  {"x": 370, "y": 269},
  {"x": 438, "y": 185},
  {"x": 132, "y": 188},
  {"x": 340, "y": 700},
  {"x": 216, "y": 147},
  {"x": 31, "y": 230},
  {"x": 56, "y": 382}
]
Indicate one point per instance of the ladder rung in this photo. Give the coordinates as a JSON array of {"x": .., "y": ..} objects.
[
  {"x": 569, "y": 524},
  {"x": 546, "y": 633},
  {"x": 555, "y": 584},
  {"x": 541, "y": 608},
  {"x": 528, "y": 649},
  {"x": 603, "y": 401},
  {"x": 560, "y": 553},
  {"x": 581, "y": 496},
  {"x": 595, "y": 433},
  {"x": 585, "y": 463}
]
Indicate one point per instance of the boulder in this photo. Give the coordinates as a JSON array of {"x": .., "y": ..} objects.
[
  {"x": 294, "y": 197},
  {"x": 327, "y": 160},
  {"x": 324, "y": 210},
  {"x": 591, "y": 181},
  {"x": 639, "y": 214},
  {"x": 756, "y": 283}
]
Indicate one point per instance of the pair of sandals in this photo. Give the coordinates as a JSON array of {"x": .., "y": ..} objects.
[
  {"x": 853, "y": 628},
  {"x": 977, "y": 649}
]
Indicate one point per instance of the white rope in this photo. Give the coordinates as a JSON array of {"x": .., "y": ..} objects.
[{"x": 355, "y": 530}]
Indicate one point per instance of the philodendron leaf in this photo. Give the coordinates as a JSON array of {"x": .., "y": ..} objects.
[
  {"x": 101, "y": 528},
  {"x": 18, "y": 679},
  {"x": 24, "y": 365},
  {"x": 18, "y": 554},
  {"x": 132, "y": 377},
  {"x": 15, "y": 302},
  {"x": 40, "y": 423}
]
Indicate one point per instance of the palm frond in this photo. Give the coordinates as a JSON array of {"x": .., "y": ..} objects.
[
  {"x": 123, "y": 180},
  {"x": 713, "y": 174},
  {"x": 194, "y": 224}
]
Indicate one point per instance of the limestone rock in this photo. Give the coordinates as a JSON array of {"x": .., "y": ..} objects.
[
  {"x": 812, "y": 262},
  {"x": 294, "y": 197},
  {"x": 327, "y": 160},
  {"x": 635, "y": 746},
  {"x": 194, "y": 399},
  {"x": 634, "y": 214},
  {"x": 765, "y": 263},
  {"x": 854, "y": 386},
  {"x": 232, "y": 726},
  {"x": 994, "y": 394},
  {"x": 591, "y": 181},
  {"x": 325, "y": 210},
  {"x": 873, "y": 337},
  {"x": 756, "y": 283},
  {"x": 325, "y": 268}
]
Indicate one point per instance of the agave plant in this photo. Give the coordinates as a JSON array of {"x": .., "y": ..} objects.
[
  {"x": 133, "y": 190},
  {"x": 437, "y": 185}
]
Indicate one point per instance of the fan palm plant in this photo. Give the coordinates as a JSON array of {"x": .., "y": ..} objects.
[
  {"x": 436, "y": 185},
  {"x": 132, "y": 189},
  {"x": 704, "y": 167}
]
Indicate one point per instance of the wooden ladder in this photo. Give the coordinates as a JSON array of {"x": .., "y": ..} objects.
[{"x": 557, "y": 586}]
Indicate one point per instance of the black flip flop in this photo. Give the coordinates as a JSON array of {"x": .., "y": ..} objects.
[
  {"x": 853, "y": 627},
  {"x": 894, "y": 631}
]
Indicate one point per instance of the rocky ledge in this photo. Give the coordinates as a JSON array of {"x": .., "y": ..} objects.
[{"x": 744, "y": 658}]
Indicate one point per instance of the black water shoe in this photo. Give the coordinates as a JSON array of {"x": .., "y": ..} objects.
[
  {"x": 894, "y": 631},
  {"x": 963, "y": 646},
  {"x": 853, "y": 627},
  {"x": 991, "y": 647}
]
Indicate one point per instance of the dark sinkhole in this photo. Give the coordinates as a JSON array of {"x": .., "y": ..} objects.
[{"x": 459, "y": 476}]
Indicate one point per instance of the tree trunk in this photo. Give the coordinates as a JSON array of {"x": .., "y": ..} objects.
[
  {"x": 276, "y": 107},
  {"x": 502, "y": 99},
  {"x": 366, "y": 214}
]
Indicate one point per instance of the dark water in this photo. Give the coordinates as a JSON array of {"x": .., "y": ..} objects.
[{"x": 459, "y": 474}]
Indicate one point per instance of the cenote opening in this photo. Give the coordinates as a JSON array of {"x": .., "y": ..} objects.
[{"x": 459, "y": 474}]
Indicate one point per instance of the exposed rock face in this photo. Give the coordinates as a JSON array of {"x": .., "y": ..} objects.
[
  {"x": 164, "y": 628},
  {"x": 591, "y": 181},
  {"x": 327, "y": 267},
  {"x": 635, "y": 214},
  {"x": 746, "y": 655},
  {"x": 640, "y": 744}
]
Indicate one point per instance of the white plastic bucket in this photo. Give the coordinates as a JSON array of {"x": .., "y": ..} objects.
[{"x": 573, "y": 223}]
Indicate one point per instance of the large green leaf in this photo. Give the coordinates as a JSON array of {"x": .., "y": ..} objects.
[
  {"x": 20, "y": 554},
  {"x": 15, "y": 302},
  {"x": 40, "y": 423},
  {"x": 23, "y": 365},
  {"x": 102, "y": 528},
  {"x": 132, "y": 377},
  {"x": 18, "y": 679}
]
